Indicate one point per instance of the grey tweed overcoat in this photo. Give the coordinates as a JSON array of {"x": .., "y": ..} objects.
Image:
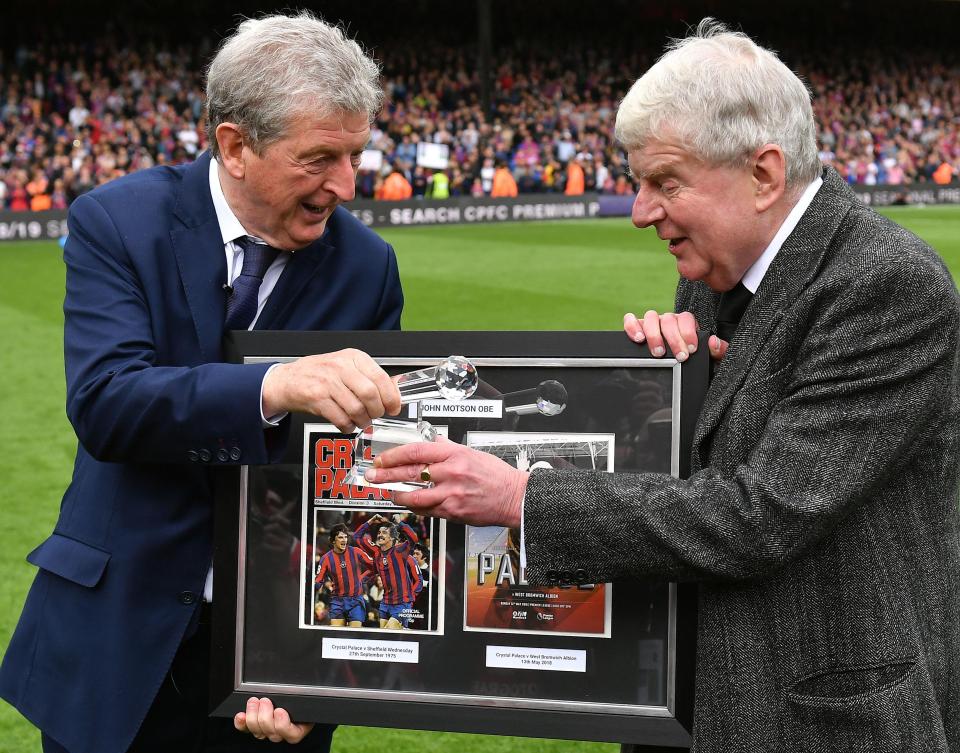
[{"x": 821, "y": 519}]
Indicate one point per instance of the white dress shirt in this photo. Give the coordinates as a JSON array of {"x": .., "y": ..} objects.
[
  {"x": 753, "y": 276},
  {"x": 230, "y": 230}
]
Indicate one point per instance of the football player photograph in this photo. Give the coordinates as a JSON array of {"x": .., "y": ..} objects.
[
  {"x": 396, "y": 568},
  {"x": 348, "y": 568},
  {"x": 820, "y": 518},
  {"x": 111, "y": 653}
]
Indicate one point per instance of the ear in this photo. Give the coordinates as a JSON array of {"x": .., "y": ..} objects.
[
  {"x": 769, "y": 176},
  {"x": 230, "y": 141}
]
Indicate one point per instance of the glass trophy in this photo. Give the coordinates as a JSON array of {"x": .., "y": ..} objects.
[
  {"x": 454, "y": 378},
  {"x": 548, "y": 398}
]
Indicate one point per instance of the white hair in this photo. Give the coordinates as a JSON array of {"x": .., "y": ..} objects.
[
  {"x": 278, "y": 67},
  {"x": 723, "y": 96}
]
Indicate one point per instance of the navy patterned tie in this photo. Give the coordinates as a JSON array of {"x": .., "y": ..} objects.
[
  {"x": 242, "y": 303},
  {"x": 729, "y": 310}
]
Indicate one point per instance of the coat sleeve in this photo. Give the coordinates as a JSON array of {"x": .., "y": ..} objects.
[
  {"x": 872, "y": 388},
  {"x": 391, "y": 295},
  {"x": 123, "y": 404}
]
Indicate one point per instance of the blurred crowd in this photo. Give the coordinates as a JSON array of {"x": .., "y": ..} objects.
[{"x": 73, "y": 117}]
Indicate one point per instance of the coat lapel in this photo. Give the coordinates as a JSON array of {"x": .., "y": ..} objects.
[
  {"x": 303, "y": 267},
  {"x": 795, "y": 265},
  {"x": 201, "y": 262}
]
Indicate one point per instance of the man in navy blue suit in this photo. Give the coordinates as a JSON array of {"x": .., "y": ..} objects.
[{"x": 111, "y": 651}]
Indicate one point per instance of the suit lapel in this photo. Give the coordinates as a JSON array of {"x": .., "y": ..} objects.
[
  {"x": 795, "y": 265},
  {"x": 201, "y": 262},
  {"x": 303, "y": 266}
]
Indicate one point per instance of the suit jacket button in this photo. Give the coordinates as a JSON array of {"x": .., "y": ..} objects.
[
  {"x": 222, "y": 455},
  {"x": 234, "y": 453},
  {"x": 192, "y": 456},
  {"x": 551, "y": 576},
  {"x": 187, "y": 597},
  {"x": 205, "y": 455}
]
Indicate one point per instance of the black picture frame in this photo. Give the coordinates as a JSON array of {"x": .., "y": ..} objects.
[{"x": 617, "y": 365}]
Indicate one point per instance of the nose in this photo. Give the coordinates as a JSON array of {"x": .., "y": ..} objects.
[
  {"x": 341, "y": 179},
  {"x": 647, "y": 208}
]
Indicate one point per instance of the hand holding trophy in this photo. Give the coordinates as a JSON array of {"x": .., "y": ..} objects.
[{"x": 454, "y": 378}]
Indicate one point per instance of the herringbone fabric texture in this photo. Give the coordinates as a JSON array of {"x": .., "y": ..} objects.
[{"x": 821, "y": 518}]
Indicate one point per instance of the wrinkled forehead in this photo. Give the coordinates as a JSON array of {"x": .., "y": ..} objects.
[
  {"x": 339, "y": 131},
  {"x": 658, "y": 157}
]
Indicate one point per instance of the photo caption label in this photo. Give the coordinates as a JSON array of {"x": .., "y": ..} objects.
[
  {"x": 548, "y": 659},
  {"x": 401, "y": 652}
]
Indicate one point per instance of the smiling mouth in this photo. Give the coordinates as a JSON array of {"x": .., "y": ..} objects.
[{"x": 314, "y": 209}]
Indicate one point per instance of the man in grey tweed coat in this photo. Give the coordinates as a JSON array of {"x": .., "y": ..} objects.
[{"x": 821, "y": 517}]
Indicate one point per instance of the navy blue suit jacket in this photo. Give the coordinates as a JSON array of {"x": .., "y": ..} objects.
[{"x": 154, "y": 408}]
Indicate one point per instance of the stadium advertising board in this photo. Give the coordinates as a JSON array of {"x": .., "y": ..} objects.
[
  {"x": 875, "y": 196},
  {"x": 471, "y": 210},
  {"x": 32, "y": 226},
  {"x": 912, "y": 195},
  {"x": 345, "y": 607},
  {"x": 18, "y": 226}
]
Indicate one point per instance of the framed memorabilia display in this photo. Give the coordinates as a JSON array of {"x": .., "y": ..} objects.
[{"x": 345, "y": 608}]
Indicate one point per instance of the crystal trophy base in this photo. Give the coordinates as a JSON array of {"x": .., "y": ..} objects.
[{"x": 381, "y": 435}]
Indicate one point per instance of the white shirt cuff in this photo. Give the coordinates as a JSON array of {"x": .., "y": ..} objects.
[
  {"x": 208, "y": 586},
  {"x": 277, "y": 418}
]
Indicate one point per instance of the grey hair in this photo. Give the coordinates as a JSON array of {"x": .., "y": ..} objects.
[
  {"x": 723, "y": 96},
  {"x": 275, "y": 68}
]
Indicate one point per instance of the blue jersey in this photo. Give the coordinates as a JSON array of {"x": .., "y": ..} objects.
[
  {"x": 347, "y": 570},
  {"x": 400, "y": 576},
  {"x": 396, "y": 568}
]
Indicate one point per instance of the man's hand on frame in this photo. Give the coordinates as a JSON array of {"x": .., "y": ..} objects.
[{"x": 678, "y": 332}]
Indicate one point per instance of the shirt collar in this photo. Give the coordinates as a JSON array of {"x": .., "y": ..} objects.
[
  {"x": 230, "y": 227},
  {"x": 751, "y": 280}
]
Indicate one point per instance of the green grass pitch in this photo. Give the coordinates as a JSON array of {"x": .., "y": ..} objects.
[{"x": 553, "y": 275}]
